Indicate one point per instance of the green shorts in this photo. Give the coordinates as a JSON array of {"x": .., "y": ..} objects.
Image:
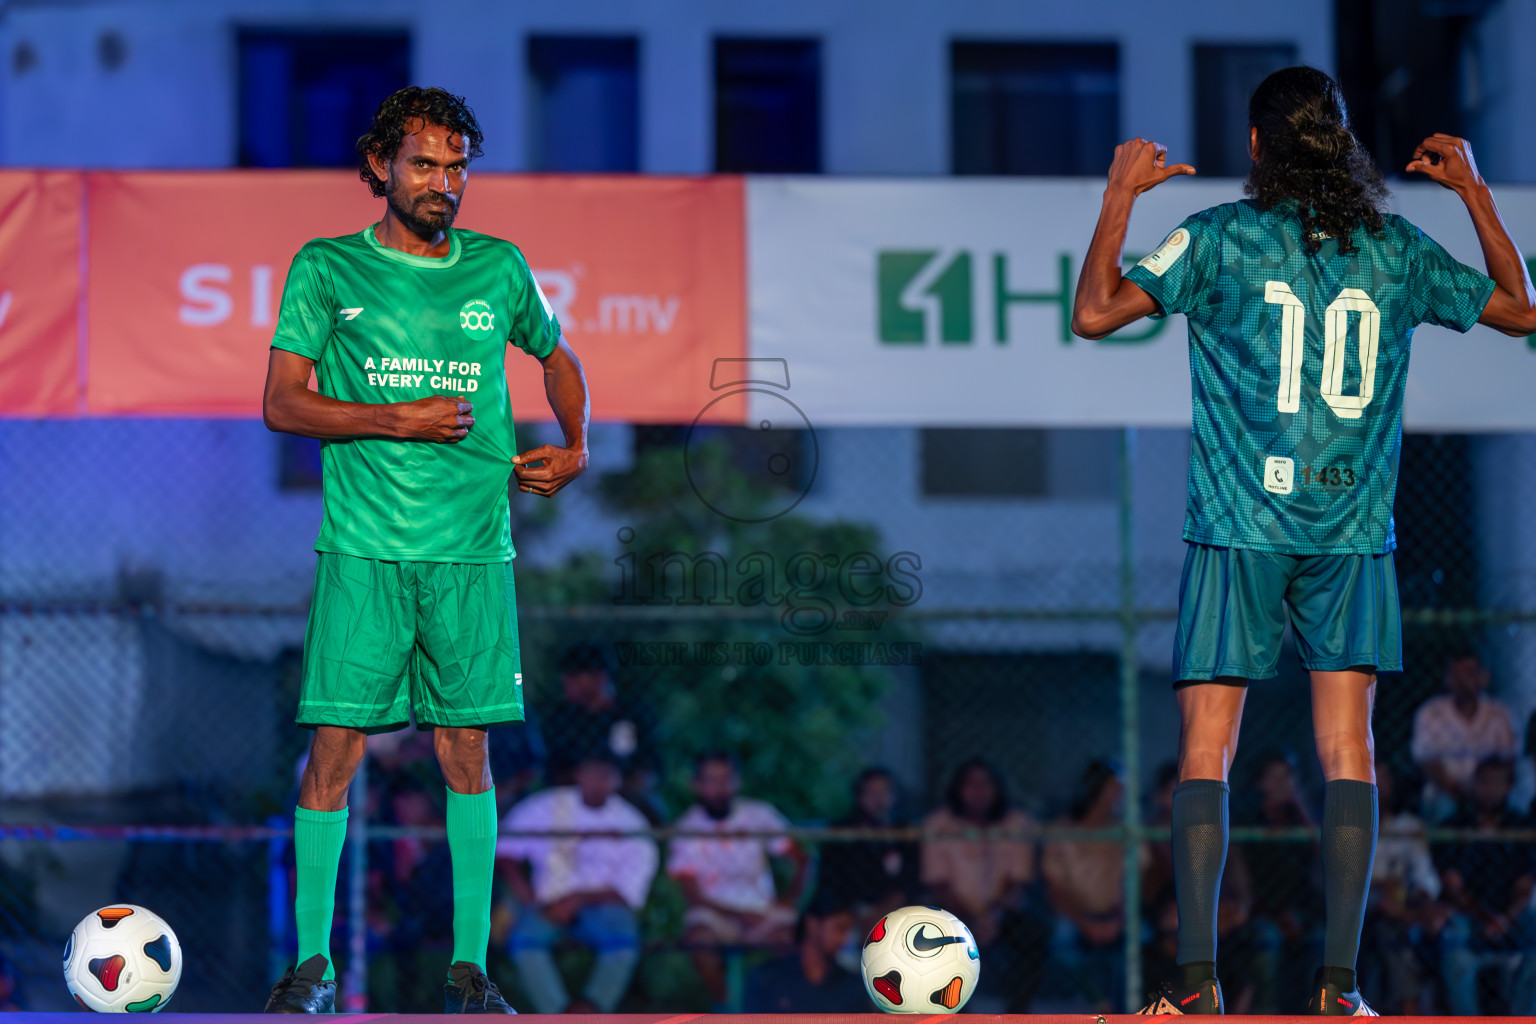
[
  {"x": 388, "y": 638},
  {"x": 1233, "y": 605}
]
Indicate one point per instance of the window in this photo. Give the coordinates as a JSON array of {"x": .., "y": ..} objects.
[
  {"x": 752, "y": 452},
  {"x": 584, "y": 110},
  {"x": 991, "y": 462},
  {"x": 1225, "y": 76},
  {"x": 768, "y": 106},
  {"x": 1033, "y": 108},
  {"x": 305, "y": 97}
]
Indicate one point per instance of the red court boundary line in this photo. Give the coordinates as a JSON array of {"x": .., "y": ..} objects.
[{"x": 759, "y": 1018}]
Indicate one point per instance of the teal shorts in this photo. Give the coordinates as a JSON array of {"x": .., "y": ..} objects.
[
  {"x": 386, "y": 639},
  {"x": 1234, "y": 602}
]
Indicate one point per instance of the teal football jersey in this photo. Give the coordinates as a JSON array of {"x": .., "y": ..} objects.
[{"x": 1299, "y": 361}]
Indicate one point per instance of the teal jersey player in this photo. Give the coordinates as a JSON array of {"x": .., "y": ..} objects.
[
  {"x": 1301, "y": 300},
  {"x": 1298, "y": 363}
]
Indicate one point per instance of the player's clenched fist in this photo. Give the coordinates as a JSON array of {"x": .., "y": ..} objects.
[
  {"x": 435, "y": 418},
  {"x": 1141, "y": 164},
  {"x": 1448, "y": 160}
]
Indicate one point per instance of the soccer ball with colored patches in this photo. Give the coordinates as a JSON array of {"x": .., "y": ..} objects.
[
  {"x": 122, "y": 959},
  {"x": 920, "y": 960}
]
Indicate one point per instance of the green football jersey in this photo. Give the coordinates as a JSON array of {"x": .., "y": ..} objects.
[
  {"x": 1298, "y": 364},
  {"x": 386, "y": 326}
]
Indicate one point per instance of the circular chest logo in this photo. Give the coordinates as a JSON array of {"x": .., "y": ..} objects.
[{"x": 476, "y": 318}]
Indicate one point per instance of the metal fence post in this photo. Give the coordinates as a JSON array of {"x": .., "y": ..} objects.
[
  {"x": 1130, "y": 724},
  {"x": 355, "y": 994}
]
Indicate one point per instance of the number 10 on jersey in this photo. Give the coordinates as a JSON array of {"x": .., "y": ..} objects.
[{"x": 1335, "y": 328}]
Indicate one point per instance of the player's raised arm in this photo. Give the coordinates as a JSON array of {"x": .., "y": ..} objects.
[
  {"x": 565, "y": 386},
  {"x": 1105, "y": 301},
  {"x": 1512, "y": 306},
  {"x": 290, "y": 407}
]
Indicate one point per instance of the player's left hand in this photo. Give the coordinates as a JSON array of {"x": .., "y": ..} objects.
[
  {"x": 1448, "y": 160},
  {"x": 558, "y": 467}
]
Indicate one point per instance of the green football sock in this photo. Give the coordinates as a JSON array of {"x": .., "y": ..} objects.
[
  {"x": 472, "y": 848},
  {"x": 318, "y": 837}
]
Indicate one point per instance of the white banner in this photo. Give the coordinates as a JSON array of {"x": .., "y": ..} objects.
[{"x": 949, "y": 303}]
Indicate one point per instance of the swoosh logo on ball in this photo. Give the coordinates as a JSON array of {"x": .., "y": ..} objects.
[{"x": 923, "y": 944}]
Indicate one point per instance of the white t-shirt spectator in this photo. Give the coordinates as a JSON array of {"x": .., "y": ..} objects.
[
  {"x": 1440, "y": 733},
  {"x": 565, "y": 865},
  {"x": 733, "y": 873},
  {"x": 1402, "y": 855}
]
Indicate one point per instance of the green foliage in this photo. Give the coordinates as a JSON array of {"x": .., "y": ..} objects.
[{"x": 795, "y": 728}]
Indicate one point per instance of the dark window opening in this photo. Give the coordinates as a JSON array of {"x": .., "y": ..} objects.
[
  {"x": 1034, "y": 108},
  {"x": 1225, "y": 77},
  {"x": 768, "y": 106},
  {"x": 1017, "y": 462},
  {"x": 584, "y": 109},
  {"x": 306, "y": 97}
]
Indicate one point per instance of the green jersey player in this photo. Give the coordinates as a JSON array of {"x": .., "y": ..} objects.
[
  {"x": 405, "y": 326},
  {"x": 1301, "y": 300}
]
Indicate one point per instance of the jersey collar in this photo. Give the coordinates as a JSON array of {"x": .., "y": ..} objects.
[{"x": 426, "y": 262}]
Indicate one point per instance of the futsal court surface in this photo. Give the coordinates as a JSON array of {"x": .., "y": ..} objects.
[{"x": 756, "y": 1018}]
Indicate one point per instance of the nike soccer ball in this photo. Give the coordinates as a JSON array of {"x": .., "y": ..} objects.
[
  {"x": 122, "y": 959},
  {"x": 920, "y": 960}
]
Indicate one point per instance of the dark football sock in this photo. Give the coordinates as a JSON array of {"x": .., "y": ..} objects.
[
  {"x": 1199, "y": 854},
  {"x": 1349, "y": 847}
]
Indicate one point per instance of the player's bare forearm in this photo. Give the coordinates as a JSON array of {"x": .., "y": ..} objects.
[
  {"x": 1512, "y": 307},
  {"x": 289, "y": 406},
  {"x": 1448, "y": 161},
  {"x": 1093, "y": 308},
  {"x": 565, "y": 386},
  {"x": 295, "y": 409}
]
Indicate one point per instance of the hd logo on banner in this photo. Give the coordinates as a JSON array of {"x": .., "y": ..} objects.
[
  {"x": 950, "y": 303},
  {"x": 929, "y": 295}
]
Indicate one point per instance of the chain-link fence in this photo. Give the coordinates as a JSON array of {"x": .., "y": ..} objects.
[{"x": 986, "y": 616}]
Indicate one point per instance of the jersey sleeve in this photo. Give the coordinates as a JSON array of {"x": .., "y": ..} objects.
[
  {"x": 1445, "y": 292},
  {"x": 1180, "y": 274},
  {"x": 534, "y": 327},
  {"x": 308, "y": 311}
]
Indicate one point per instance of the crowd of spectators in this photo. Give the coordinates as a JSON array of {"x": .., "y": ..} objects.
[{"x": 773, "y": 924}]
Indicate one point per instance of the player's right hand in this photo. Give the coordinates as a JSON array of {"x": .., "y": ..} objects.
[
  {"x": 1142, "y": 164},
  {"x": 438, "y": 418}
]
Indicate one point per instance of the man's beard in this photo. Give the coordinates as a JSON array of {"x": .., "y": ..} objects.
[
  {"x": 423, "y": 223},
  {"x": 718, "y": 811}
]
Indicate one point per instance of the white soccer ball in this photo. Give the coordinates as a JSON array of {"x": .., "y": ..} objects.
[
  {"x": 122, "y": 959},
  {"x": 920, "y": 960}
]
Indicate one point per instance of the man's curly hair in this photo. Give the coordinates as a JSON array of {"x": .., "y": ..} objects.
[
  {"x": 394, "y": 117},
  {"x": 1310, "y": 158}
]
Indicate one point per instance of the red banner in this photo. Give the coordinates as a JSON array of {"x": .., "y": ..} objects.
[
  {"x": 186, "y": 273},
  {"x": 39, "y": 293}
]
